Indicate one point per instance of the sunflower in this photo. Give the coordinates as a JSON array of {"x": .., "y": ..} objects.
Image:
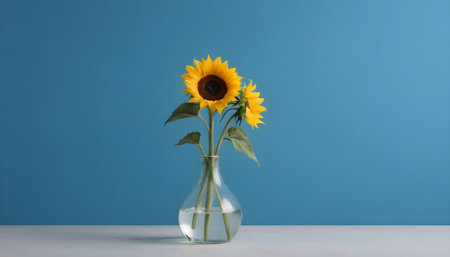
[
  {"x": 253, "y": 107},
  {"x": 211, "y": 83}
]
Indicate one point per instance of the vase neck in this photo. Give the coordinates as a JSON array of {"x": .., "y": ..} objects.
[{"x": 211, "y": 163}]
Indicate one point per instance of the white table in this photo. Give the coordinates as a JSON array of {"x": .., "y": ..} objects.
[{"x": 274, "y": 241}]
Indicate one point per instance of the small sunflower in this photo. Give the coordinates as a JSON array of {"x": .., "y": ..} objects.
[
  {"x": 253, "y": 107},
  {"x": 212, "y": 83}
]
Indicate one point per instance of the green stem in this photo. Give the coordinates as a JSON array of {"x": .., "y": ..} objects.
[
  {"x": 223, "y": 134},
  {"x": 203, "y": 184},
  {"x": 209, "y": 193},
  {"x": 204, "y": 121},
  {"x": 208, "y": 202},
  {"x": 201, "y": 149},
  {"x": 200, "y": 198},
  {"x": 225, "y": 216},
  {"x": 211, "y": 132}
]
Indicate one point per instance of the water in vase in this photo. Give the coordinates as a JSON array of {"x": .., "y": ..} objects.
[{"x": 216, "y": 232}]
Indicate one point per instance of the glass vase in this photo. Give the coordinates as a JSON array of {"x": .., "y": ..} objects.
[{"x": 210, "y": 213}]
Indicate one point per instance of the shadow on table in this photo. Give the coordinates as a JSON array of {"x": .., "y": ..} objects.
[
  {"x": 160, "y": 240},
  {"x": 105, "y": 235}
]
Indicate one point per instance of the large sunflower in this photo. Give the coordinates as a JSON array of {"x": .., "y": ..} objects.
[
  {"x": 253, "y": 107},
  {"x": 212, "y": 83}
]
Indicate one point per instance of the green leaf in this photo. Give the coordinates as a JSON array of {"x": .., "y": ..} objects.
[
  {"x": 241, "y": 143},
  {"x": 191, "y": 138},
  {"x": 185, "y": 110}
]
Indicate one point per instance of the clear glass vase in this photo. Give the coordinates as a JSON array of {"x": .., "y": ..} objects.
[{"x": 210, "y": 213}]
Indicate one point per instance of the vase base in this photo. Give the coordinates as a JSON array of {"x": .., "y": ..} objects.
[{"x": 201, "y": 242}]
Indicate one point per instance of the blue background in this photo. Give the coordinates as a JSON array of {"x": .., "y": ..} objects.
[{"x": 357, "y": 128}]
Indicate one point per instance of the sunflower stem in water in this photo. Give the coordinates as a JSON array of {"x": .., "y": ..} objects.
[
  {"x": 200, "y": 198},
  {"x": 225, "y": 217},
  {"x": 208, "y": 202},
  {"x": 209, "y": 195},
  {"x": 208, "y": 181}
]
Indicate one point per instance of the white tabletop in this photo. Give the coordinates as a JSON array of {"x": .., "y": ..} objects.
[{"x": 274, "y": 241}]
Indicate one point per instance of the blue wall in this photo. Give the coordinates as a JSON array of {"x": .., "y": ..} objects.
[{"x": 357, "y": 129}]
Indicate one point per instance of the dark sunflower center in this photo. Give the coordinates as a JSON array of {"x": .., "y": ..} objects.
[{"x": 212, "y": 88}]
